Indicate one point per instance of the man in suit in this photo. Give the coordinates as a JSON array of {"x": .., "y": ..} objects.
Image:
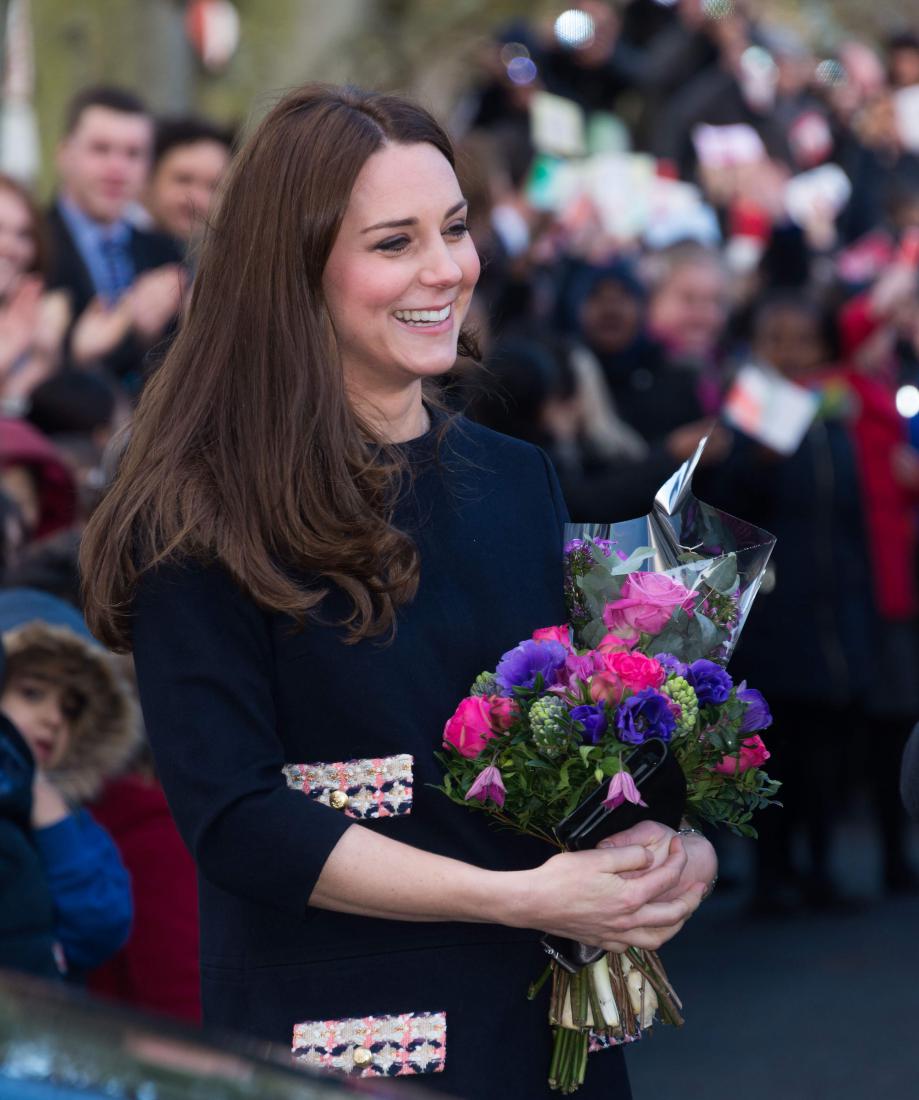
[{"x": 125, "y": 282}]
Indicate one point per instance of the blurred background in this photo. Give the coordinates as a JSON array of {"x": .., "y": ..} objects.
[{"x": 695, "y": 216}]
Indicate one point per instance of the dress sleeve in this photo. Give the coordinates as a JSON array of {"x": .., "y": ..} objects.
[{"x": 205, "y": 669}]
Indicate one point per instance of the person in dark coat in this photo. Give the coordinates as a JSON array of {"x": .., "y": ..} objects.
[
  {"x": 125, "y": 283},
  {"x": 832, "y": 644},
  {"x": 355, "y": 557}
]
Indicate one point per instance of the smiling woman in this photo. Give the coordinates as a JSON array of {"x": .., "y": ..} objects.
[
  {"x": 398, "y": 288},
  {"x": 288, "y": 496}
]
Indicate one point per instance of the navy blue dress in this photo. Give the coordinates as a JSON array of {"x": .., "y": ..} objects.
[{"x": 260, "y": 730}]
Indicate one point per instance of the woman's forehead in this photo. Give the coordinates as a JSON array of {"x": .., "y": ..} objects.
[{"x": 403, "y": 181}]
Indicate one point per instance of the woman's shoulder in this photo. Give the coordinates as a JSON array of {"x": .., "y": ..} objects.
[
  {"x": 201, "y": 589},
  {"x": 522, "y": 469},
  {"x": 477, "y": 442}
]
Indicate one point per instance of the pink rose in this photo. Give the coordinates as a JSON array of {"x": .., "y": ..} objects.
[
  {"x": 476, "y": 721},
  {"x": 636, "y": 671},
  {"x": 561, "y": 634},
  {"x": 606, "y": 687},
  {"x": 646, "y": 603},
  {"x": 753, "y": 753},
  {"x": 503, "y": 712}
]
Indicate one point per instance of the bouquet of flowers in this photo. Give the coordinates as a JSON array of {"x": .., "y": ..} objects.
[{"x": 655, "y": 608}]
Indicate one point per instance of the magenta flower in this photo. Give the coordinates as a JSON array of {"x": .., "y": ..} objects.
[
  {"x": 488, "y": 784},
  {"x": 621, "y": 789}
]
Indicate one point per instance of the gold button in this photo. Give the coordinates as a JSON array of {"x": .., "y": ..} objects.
[
  {"x": 338, "y": 800},
  {"x": 362, "y": 1056}
]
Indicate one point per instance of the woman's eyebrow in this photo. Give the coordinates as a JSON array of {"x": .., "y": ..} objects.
[{"x": 414, "y": 221}]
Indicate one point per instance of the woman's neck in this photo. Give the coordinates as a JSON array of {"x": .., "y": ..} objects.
[{"x": 397, "y": 417}]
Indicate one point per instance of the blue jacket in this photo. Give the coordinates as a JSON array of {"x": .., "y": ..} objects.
[{"x": 90, "y": 890}]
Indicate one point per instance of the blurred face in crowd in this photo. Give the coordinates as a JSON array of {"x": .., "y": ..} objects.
[
  {"x": 20, "y": 485},
  {"x": 104, "y": 163},
  {"x": 401, "y": 273},
  {"x": 183, "y": 186},
  {"x": 689, "y": 308},
  {"x": 17, "y": 240},
  {"x": 789, "y": 340},
  {"x": 610, "y": 318},
  {"x": 904, "y": 67},
  {"x": 44, "y": 711}
]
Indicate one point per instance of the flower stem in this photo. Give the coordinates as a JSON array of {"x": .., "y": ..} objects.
[{"x": 535, "y": 987}]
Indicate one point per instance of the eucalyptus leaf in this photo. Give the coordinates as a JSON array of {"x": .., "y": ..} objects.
[
  {"x": 594, "y": 633},
  {"x": 722, "y": 575},
  {"x": 632, "y": 563}
]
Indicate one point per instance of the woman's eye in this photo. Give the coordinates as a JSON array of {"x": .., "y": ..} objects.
[
  {"x": 394, "y": 244},
  {"x": 460, "y": 229}
]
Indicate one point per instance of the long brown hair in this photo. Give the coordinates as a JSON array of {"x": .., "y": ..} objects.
[
  {"x": 244, "y": 447},
  {"x": 39, "y": 264}
]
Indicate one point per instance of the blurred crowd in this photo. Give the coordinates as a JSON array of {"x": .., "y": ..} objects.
[{"x": 692, "y": 224}]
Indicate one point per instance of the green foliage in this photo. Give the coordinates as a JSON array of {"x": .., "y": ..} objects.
[
  {"x": 545, "y": 781},
  {"x": 689, "y": 637}
]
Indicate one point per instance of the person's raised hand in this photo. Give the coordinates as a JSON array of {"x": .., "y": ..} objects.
[
  {"x": 19, "y": 320},
  {"x": 100, "y": 328},
  {"x": 154, "y": 299},
  {"x": 48, "y": 805},
  {"x": 681, "y": 443}
]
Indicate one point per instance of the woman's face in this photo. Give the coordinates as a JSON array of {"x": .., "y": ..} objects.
[
  {"x": 400, "y": 275},
  {"x": 17, "y": 239}
]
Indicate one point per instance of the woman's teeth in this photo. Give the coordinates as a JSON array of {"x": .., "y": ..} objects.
[{"x": 422, "y": 316}]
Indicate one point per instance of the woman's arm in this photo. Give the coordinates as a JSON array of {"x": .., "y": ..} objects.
[
  {"x": 581, "y": 895},
  {"x": 204, "y": 663}
]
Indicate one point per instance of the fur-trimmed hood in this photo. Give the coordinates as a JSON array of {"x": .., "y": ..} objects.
[{"x": 107, "y": 732}]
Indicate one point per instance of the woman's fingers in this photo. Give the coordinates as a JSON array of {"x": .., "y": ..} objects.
[
  {"x": 615, "y": 861},
  {"x": 659, "y": 922},
  {"x": 648, "y": 833},
  {"x": 659, "y": 880}
]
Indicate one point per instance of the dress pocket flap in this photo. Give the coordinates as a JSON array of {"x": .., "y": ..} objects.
[
  {"x": 375, "y": 1046},
  {"x": 364, "y": 789}
]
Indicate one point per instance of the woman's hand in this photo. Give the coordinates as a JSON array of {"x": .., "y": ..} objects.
[
  {"x": 610, "y": 897},
  {"x": 701, "y": 865},
  {"x": 18, "y": 321}
]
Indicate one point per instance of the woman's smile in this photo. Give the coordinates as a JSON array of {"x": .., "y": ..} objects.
[{"x": 426, "y": 320}]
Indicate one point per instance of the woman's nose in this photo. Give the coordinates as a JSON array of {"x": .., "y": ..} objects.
[{"x": 440, "y": 268}]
